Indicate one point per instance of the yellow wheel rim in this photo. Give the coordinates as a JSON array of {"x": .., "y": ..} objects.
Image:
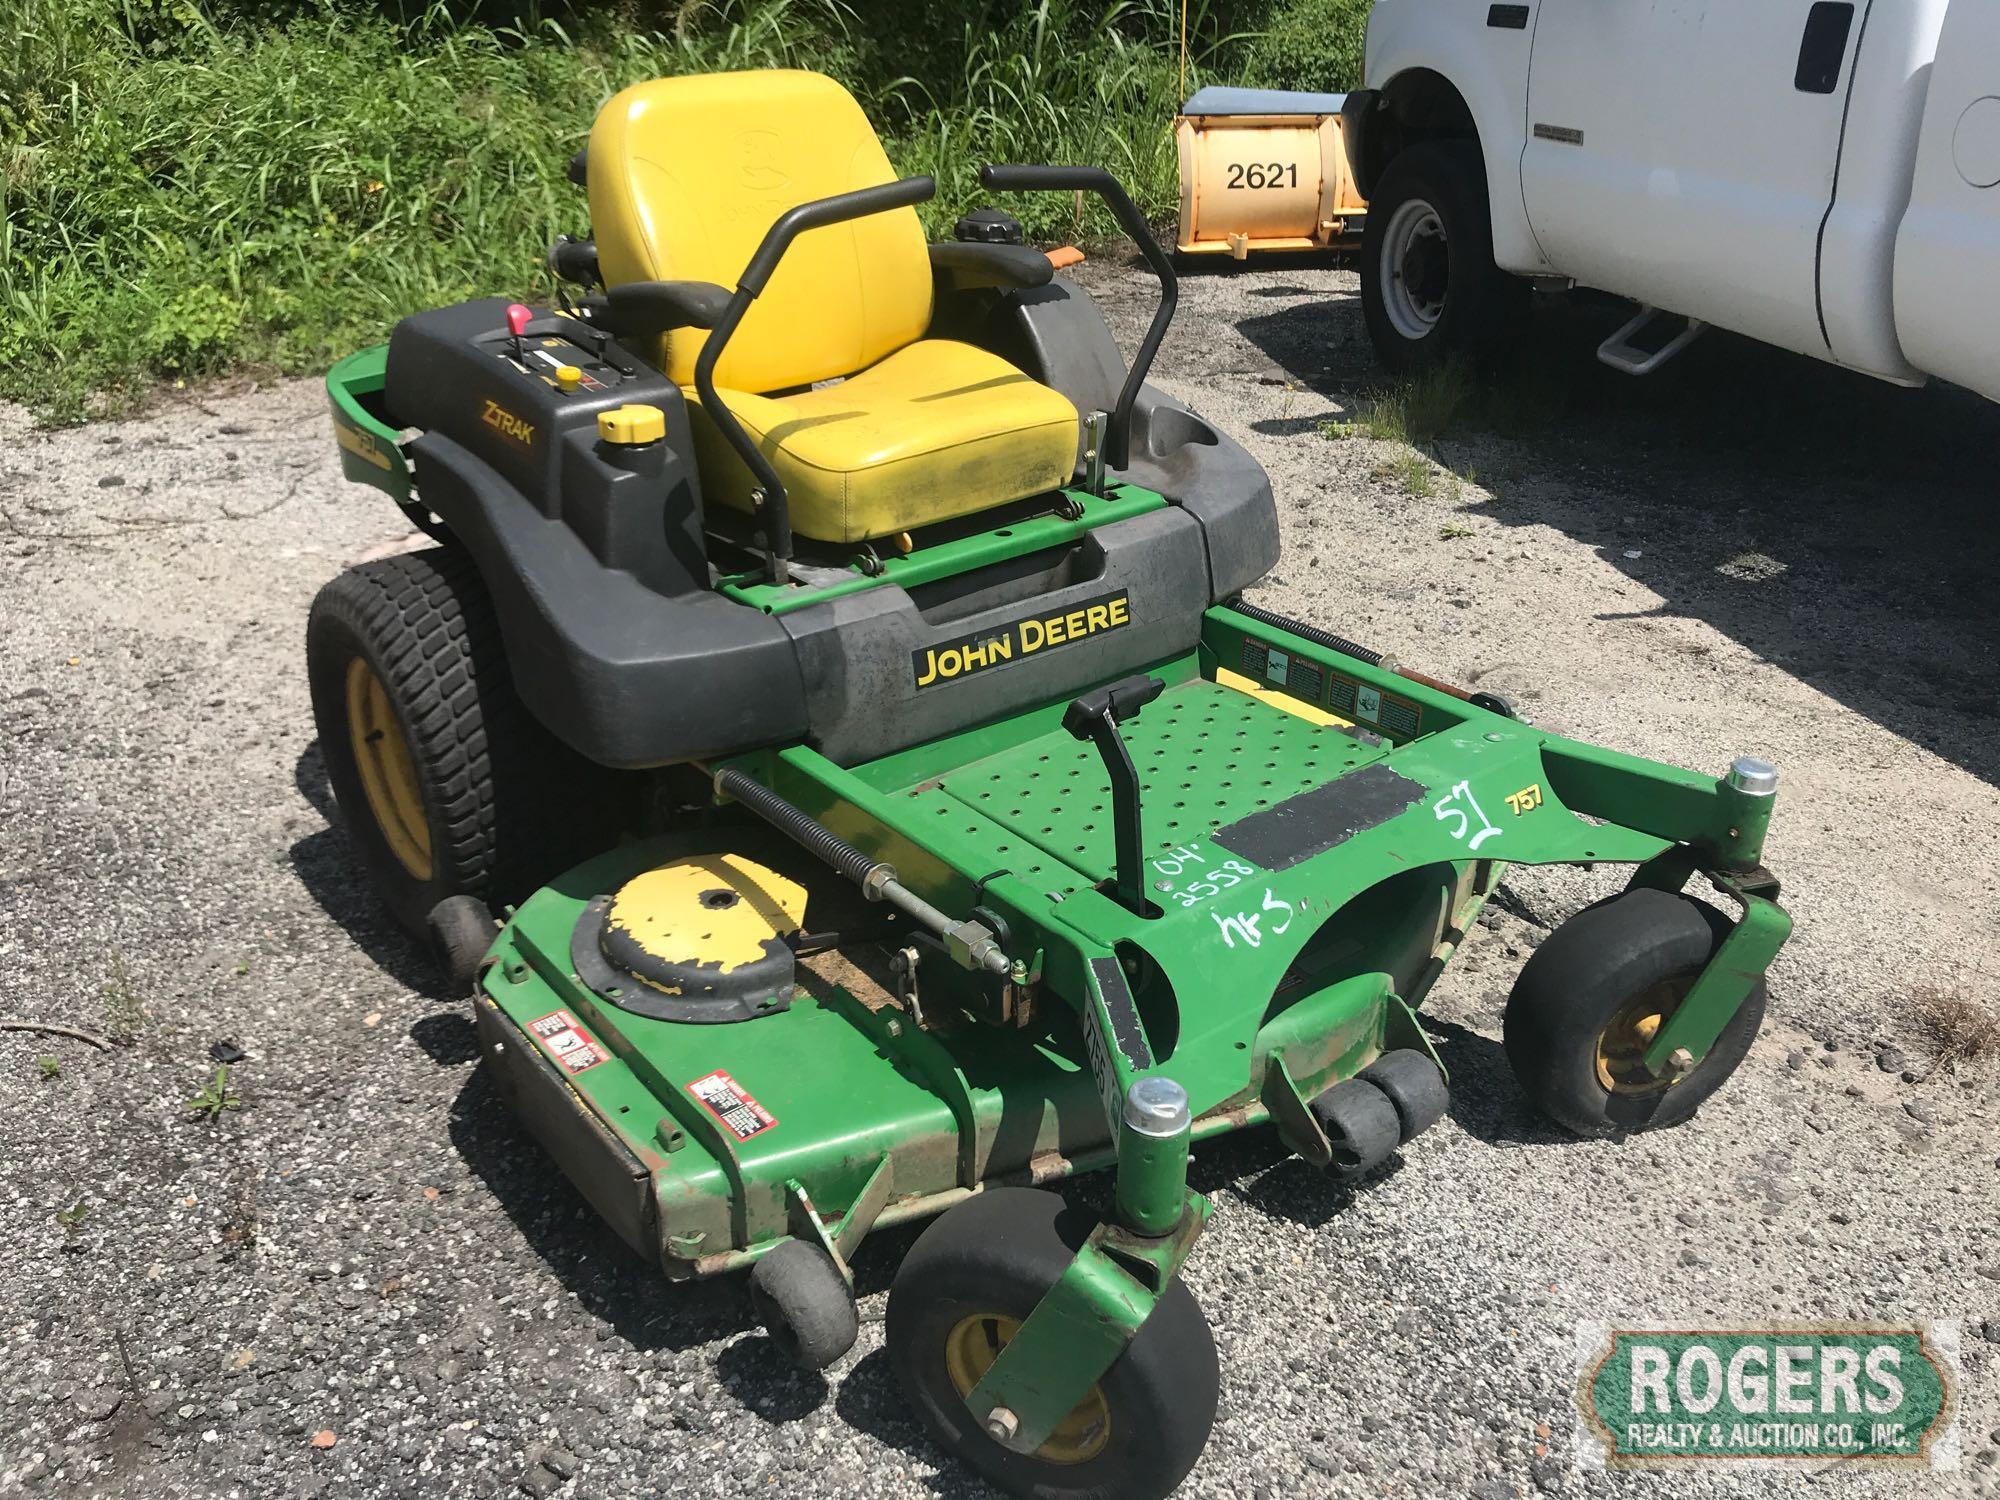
[
  {"x": 969, "y": 1351},
  {"x": 1622, "y": 1044},
  {"x": 388, "y": 776}
]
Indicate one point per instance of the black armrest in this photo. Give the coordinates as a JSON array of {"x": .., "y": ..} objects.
[
  {"x": 646, "y": 307},
  {"x": 969, "y": 264}
]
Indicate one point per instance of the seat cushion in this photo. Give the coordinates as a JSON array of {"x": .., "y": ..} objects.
[{"x": 938, "y": 429}]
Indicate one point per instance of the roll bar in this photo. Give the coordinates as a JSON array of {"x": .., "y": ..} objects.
[
  {"x": 1014, "y": 179},
  {"x": 774, "y": 516}
]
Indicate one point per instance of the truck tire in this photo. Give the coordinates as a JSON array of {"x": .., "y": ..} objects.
[
  {"x": 1429, "y": 289},
  {"x": 447, "y": 784}
]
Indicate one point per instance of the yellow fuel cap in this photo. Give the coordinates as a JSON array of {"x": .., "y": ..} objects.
[
  {"x": 569, "y": 377},
  {"x": 632, "y": 424}
]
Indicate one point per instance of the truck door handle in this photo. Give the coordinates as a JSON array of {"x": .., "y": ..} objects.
[{"x": 1824, "y": 46}]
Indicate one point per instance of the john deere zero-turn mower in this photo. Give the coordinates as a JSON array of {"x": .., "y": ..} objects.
[{"x": 948, "y": 824}]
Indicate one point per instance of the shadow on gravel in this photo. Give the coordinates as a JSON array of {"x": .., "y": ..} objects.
[
  {"x": 1486, "y": 1102},
  {"x": 769, "y": 1385},
  {"x": 611, "y": 1282},
  {"x": 324, "y": 867},
  {"x": 1834, "y": 525},
  {"x": 870, "y": 1400},
  {"x": 1320, "y": 346},
  {"x": 448, "y": 1038},
  {"x": 1258, "y": 1169},
  {"x": 1205, "y": 265}
]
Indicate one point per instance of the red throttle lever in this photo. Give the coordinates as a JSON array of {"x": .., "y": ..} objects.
[{"x": 517, "y": 324}]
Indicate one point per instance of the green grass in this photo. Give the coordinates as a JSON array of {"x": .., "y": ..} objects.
[
  {"x": 196, "y": 186},
  {"x": 216, "y": 1097},
  {"x": 1413, "y": 410},
  {"x": 124, "y": 1013},
  {"x": 1412, "y": 470}
]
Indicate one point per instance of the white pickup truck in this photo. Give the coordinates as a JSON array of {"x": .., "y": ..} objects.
[{"x": 1823, "y": 175}]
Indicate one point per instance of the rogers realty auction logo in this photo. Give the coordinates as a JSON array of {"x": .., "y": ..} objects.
[{"x": 1653, "y": 1397}]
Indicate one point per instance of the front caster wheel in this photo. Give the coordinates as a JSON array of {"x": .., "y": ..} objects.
[
  {"x": 963, "y": 1292},
  {"x": 1593, "y": 996},
  {"x": 804, "y": 1303}
]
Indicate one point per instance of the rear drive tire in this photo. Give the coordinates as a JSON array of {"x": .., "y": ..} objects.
[
  {"x": 447, "y": 785},
  {"x": 1592, "y": 996},
  {"x": 964, "y": 1289},
  {"x": 1430, "y": 291}
]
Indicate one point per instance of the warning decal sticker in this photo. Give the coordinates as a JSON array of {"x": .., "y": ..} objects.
[
  {"x": 571, "y": 1047},
  {"x": 726, "y": 1099}
]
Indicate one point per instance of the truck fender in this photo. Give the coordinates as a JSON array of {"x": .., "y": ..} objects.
[
  {"x": 1431, "y": 81},
  {"x": 1356, "y": 117}
]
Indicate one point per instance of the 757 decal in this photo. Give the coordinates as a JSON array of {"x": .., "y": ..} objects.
[{"x": 1459, "y": 807}]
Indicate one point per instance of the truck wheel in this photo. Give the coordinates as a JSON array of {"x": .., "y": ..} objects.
[
  {"x": 963, "y": 1292},
  {"x": 447, "y": 785},
  {"x": 1592, "y": 997},
  {"x": 1429, "y": 288}
]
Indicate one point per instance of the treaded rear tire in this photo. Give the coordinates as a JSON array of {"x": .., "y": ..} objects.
[
  {"x": 506, "y": 805},
  {"x": 1484, "y": 307}
]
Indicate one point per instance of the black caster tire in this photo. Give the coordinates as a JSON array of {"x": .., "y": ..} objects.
[
  {"x": 1361, "y": 1125},
  {"x": 1591, "y": 997},
  {"x": 1414, "y": 1085},
  {"x": 462, "y": 930},
  {"x": 805, "y": 1304},
  {"x": 1430, "y": 291},
  {"x": 967, "y": 1285},
  {"x": 447, "y": 785}
]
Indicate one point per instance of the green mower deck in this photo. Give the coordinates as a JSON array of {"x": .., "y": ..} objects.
[{"x": 1327, "y": 871}]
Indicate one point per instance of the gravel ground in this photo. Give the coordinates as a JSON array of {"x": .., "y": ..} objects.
[{"x": 366, "y": 1280}]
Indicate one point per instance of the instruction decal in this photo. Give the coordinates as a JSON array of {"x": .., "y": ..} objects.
[
  {"x": 731, "y": 1103},
  {"x": 568, "y": 1045},
  {"x": 1395, "y": 716},
  {"x": 997, "y": 645}
]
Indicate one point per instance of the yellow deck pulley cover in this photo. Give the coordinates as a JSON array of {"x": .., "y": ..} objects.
[{"x": 699, "y": 938}]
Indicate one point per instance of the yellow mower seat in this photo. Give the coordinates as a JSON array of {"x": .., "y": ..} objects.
[
  {"x": 686, "y": 175},
  {"x": 935, "y": 430}
]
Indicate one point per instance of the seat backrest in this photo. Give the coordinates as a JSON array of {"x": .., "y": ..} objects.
[{"x": 687, "y": 174}]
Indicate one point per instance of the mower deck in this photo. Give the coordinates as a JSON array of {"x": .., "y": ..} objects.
[{"x": 1266, "y": 814}]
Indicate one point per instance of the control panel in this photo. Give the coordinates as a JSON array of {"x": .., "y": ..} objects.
[{"x": 561, "y": 362}]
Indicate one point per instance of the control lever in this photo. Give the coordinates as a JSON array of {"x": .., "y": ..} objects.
[
  {"x": 1096, "y": 717},
  {"x": 517, "y": 324}
]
